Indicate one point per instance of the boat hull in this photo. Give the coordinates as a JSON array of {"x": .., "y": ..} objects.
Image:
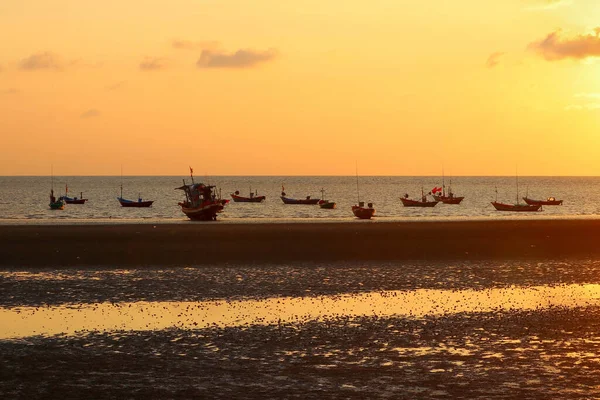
[
  {"x": 532, "y": 202},
  {"x": 131, "y": 203},
  {"x": 203, "y": 213},
  {"x": 516, "y": 207},
  {"x": 73, "y": 201},
  {"x": 241, "y": 199},
  {"x": 449, "y": 200},
  {"x": 57, "y": 205},
  {"x": 418, "y": 203},
  {"x": 362, "y": 212},
  {"x": 327, "y": 205},
  {"x": 287, "y": 200}
]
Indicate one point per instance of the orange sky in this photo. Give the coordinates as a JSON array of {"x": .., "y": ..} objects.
[{"x": 271, "y": 87}]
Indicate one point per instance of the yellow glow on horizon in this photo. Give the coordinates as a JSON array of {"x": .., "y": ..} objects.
[{"x": 401, "y": 87}]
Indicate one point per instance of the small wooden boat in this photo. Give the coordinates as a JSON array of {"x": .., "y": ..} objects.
[
  {"x": 362, "y": 212},
  {"x": 516, "y": 207},
  {"x": 56, "y": 204},
  {"x": 308, "y": 200},
  {"x": 73, "y": 200},
  {"x": 132, "y": 203},
  {"x": 253, "y": 198},
  {"x": 439, "y": 194},
  {"x": 406, "y": 202},
  {"x": 200, "y": 203},
  {"x": 140, "y": 203},
  {"x": 550, "y": 201},
  {"x": 326, "y": 204}
]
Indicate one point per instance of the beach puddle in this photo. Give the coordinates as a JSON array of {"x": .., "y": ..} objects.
[{"x": 21, "y": 322}]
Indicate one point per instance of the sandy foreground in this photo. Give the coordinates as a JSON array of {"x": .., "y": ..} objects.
[{"x": 214, "y": 243}]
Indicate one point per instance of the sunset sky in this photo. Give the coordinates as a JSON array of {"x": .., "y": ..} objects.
[{"x": 275, "y": 87}]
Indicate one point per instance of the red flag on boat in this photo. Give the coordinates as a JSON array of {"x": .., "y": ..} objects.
[
  {"x": 191, "y": 170},
  {"x": 436, "y": 189}
]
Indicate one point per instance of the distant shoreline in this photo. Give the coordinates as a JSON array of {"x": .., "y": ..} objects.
[{"x": 191, "y": 244}]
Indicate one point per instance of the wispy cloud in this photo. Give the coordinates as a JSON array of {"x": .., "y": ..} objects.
[
  {"x": 116, "y": 86},
  {"x": 91, "y": 113},
  {"x": 10, "y": 91},
  {"x": 494, "y": 59},
  {"x": 537, "y": 5},
  {"x": 153, "y": 64},
  {"x": 557, "y": 47},
  {"x": 42, "y": 61},
  {"x": 195, "y": 45},
  {"x": 588, "y": 95},
  {"x": 583, "y": 107},
  {"x": 243, "y": 58}
]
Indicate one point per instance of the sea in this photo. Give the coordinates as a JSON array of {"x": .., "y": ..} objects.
[
  {"x": 25, "y": 198},
  {"x": 454, "y": 329}
]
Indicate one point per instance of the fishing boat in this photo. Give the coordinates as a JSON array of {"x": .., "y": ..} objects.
[
  {"x": 288, "y": 200},
  {"x": 517, "y": 207},
  {"x": 550, "y": 201},
  {"x": 140, "y": 203},
  {"x": 359, "y": 210},
  {"x": 362, "y": 212},
  {"x": 200, "y": 204},
  {"x": 72, "y": 200},
  {"x": 54, "y": 203},
  {"x": 326, "y": 204},
  {"x": 252, "y": 198},
  {"x": 407, "y": 202},
  {"x": 439, "y": 194}
]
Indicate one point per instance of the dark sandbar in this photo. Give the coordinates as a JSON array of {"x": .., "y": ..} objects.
[{"x": 214, "y": 243}]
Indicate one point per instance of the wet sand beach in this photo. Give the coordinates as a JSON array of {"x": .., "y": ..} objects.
[
  {"x": 213, "y": 243},
  {"x": 473, "y": 310}
]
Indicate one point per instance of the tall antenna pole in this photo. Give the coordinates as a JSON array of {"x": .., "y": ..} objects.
[{"x": 357, "y": 190}]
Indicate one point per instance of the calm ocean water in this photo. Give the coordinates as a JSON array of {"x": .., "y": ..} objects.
[{"x": 26, "y": 198}]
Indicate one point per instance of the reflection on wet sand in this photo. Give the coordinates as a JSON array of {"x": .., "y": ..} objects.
[{"x": 23, "y": 322}]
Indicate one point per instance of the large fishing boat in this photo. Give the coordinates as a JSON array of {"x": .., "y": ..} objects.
[
  {"x": 407, "y": 202},
  {"x": 200, "y": 204},
  {"x": 288, "y": 200},
  {"x": 252, "y": 198}
]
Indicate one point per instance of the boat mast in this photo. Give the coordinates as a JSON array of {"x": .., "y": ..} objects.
[
  {"x": 443, "y": 183},
  {"x": 517, "y": 179},
  {"x": 357, "y": 190},
  {"x": 121, "y": 180}
]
